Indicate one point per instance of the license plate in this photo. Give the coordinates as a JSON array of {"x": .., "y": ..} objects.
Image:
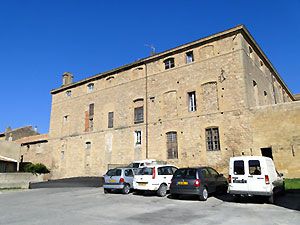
[
  {"x": 142, "y": 184},
  {"x": 183, "y": 183},
  {"x": 112, "y": 181}
]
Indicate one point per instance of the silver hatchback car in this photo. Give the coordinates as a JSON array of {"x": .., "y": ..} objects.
[{"x": 118, "y": 179}]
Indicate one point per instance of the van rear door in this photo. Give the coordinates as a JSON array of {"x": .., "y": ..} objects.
[
  {"x": 239, "y": 176},
  {"x": 256, "y": 177}
]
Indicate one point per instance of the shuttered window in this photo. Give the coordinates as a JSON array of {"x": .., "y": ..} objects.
[
  {"x": 91, "y": 109},
  {"x": 172, "y": 146},
  {"x": 212, "y": 139},
  {"x": 110, "y": 119},
  {"x": 139, "y": 114}
]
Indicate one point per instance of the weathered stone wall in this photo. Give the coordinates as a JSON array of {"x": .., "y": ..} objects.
[
  {"x": 221, "y": 76},
  {"x": 278, "y": 127},
  {"x": 10, "y": 149}
]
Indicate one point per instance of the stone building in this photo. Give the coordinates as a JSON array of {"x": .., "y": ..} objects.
[{"x": 196, "y": 104}]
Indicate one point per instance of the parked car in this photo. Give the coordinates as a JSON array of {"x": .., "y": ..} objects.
[
  {"x": 147, "y": 162},
  {"x": 118, "y": 179},
  {"x": 254, "y": 175},
  {"x": 199, "y": 181},
  {"x": 154, "y": 178}
]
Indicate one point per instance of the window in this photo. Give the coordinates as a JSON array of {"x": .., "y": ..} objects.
[
  {"x": 254, "y": 167},
  {"x": 166, "y": 170},
  {"x": 68, "y": 94},
  {"x": 90, "y": 88},
  {"x": 172, "y": 147},
  {"x": 212, "y": 139},
  {"x": 88, "y": 145},
  {"x": 138, "y": 137},
  {"x": 114, "y": 172},
  {"x": 169, "y": 63},
  {"x": 128, "y": 173},
  {"x": 213, "y": 172},
  {"x": 91, "y": 109},
  {"x": 189, "y": 57},
  {"x": 62, "y": 155},
  {"x": 192, "y": 101},
  {"x": 238, "y": 167},
  {"x": 139, "y": 114},
  {"x": 110, "y": 119},
  {"x": 91, "y": 124},
  {"x": 204, "y": 173}
]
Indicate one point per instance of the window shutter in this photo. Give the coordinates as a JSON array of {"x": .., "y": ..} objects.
[
  {"x": 86, "y": 124},
  {"x": 91, "y": 109}
]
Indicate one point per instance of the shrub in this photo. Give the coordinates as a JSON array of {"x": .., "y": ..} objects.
[{"x": 36, "y": 168}]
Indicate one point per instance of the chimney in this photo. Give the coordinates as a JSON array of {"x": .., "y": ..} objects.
[
  {"x": 67, "y": 78},
  {"x": 153, "y": 53},
  {"x": 35, "y": 128}
]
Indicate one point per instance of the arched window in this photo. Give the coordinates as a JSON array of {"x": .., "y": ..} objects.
[
  {"x": 88, "y": 145},
  {"x": 172, "y": 146}
]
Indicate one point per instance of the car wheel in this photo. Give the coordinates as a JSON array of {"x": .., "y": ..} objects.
[
  {"x": 271, "y": 199},
  {"x": 204, "y": 194},
  {"x": 162, "y": 190},
  {"x": 126, "y": 189},
  {"x": 106, "y": 191}
]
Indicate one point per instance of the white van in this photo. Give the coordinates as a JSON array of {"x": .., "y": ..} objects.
[{"x": 254, "y": 175}]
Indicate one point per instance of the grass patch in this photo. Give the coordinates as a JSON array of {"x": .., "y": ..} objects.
[
  {"x": 11, "y": 188},
  {"x": 292, "y": 184}
]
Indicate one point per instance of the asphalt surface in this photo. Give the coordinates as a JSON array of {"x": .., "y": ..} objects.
[
  {"x": 69, "y": 182},
  {"x": 92, "y": 206}
]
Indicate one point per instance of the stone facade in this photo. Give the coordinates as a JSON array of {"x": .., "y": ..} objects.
[{"x": 193, "y": 105}]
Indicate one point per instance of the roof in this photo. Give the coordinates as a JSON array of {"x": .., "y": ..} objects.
[
  {"x": 19, "y": 128},
  {"x": 3, "y": 158},
  {"x": 297, "y": 97},
  {"x": 33, "y": 139},
  {"x": 238, "y": 29}
]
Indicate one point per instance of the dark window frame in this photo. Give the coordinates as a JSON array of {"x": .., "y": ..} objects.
[
  {"x": 212, "y": 138},
  {"x": 110, "y": 119},
  {"x": 139, "y": 114},
  {"x": 169, "y": 63},
  {"x": 172, "y": 145},
  {"x": 192, "y": 102},
  {"x": 190, "y": 57}
]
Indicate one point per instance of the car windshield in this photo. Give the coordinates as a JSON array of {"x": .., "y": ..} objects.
[
  {"x": 114, "y": 172},
  {"x": 185, "y": 173},
  {"x": 133, "y": 165},
  {"x": 145, "y": 171}
]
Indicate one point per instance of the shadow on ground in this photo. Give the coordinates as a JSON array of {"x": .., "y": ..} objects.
[
  {"x": 69, "y": 182},
  {"x": 290, "y": 200}
]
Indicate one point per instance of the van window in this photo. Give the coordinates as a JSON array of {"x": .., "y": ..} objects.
[
  {"x": 254, "y": 167},
  {"x": 114, "y": 172},
  {"x": 238, "y": 167}
]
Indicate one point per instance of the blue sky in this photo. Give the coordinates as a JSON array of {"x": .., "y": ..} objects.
[{"x": 40, "y": 40}]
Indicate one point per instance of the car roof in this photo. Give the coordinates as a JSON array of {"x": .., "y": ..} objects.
[
  {"x": 202, "y": 167},
  {"x": 156, "y": 165}
]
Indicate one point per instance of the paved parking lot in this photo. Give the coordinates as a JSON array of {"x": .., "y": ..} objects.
[{"x": 91, "y": 206}]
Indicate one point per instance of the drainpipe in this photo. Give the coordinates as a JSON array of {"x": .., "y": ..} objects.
[{"x": 146, "y": 109}]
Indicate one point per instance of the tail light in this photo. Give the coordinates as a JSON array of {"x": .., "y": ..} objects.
[
  {"x": 267, "y": 180},
  {"x": 103, "y": 179},
  {"x": 229, "y": 178},
  {"x": 121, "y": 180},
  {"x": 171, "y": 183},
  {"x": 197, "y": 183},
  {"x": 153, "y": 175}
]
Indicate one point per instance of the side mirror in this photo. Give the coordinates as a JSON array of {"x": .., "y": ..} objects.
[
  {"x": 221, "y": 175},
  {"x": 281, "y": 174}
]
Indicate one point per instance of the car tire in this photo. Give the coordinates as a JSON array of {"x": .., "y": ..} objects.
[
  {"x": 106, "y": 190},
  {"x": 204, "y": 194},
  {"x": 162, "y": 190},
  {"x": 126, "y": 189},
  {"x": 271, "y": 198}
]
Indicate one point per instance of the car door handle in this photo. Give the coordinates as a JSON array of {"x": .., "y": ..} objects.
[
  {"x": 165, "y": 177},
  {"x": 250, "y": 176}
]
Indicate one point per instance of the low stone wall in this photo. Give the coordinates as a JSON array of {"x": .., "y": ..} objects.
[{"x": 9, "y": 180}]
